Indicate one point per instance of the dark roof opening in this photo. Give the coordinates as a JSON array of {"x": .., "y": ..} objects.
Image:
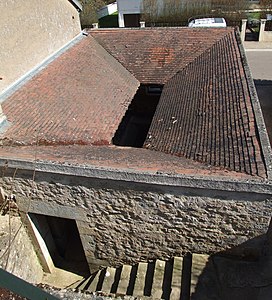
[{"x": 134, "y": 127}]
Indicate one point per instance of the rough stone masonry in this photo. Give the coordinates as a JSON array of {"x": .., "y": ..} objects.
[{"x": 126, "y": 221}]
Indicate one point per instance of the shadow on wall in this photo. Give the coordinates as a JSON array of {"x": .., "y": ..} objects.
[
  {"x": 227, "y": 277},
  {"x": 264, "y": 91}
]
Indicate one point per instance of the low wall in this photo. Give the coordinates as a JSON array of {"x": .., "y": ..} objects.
[
  {"x": 125, "y": 222},
  {"x": 266, "y": 36},
  {"x": 21, "y": 260}
]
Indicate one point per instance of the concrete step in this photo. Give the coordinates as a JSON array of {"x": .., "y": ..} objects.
[
  {"x": 62, "y": 279},
  {"x": 108, "y": 280},
  {"x": 157, "y": 285},
  {"x": 175, "y": 279},
  {"x": 91, "y": 283},
  {"x": 124, "y": 280},
  {"x": 199, "y": 262},
  {"x": 140, "y": 280}
]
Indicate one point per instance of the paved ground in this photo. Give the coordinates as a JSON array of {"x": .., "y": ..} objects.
[{"x": 259, "y": 55}]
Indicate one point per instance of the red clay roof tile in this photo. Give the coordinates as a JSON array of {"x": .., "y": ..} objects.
[
  {"x": 205, "y": 113},
  {"x": 154, "y": 55},
  {"x": 80, "y": 98}
]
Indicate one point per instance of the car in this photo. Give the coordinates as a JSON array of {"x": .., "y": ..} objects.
[
  {"x": 207, "y": 22},
  {"x": 253, "y": 23}
]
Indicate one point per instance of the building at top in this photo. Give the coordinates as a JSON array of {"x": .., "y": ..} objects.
[{"x": 129, "y": 12}]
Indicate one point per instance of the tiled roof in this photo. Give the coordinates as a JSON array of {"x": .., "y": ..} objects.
[
  {"x": 79, "y": 98},
  {"x": 153, "y": 56},
  {"x": 112, "y": 157},
  {"x": 205, "y": 121},
  {"x": 205, "y": 113}
]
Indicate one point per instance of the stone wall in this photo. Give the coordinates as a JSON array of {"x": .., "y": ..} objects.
[
  {"x": 125, "y": 222},
  {"x": 21, "y": 260},
  {"x": 30, "y": 32}
]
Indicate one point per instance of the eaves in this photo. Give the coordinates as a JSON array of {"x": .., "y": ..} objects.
[{"x": 76, "y": 4}]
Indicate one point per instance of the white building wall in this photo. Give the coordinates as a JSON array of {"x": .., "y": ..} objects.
[
  {"x": 127, "y": 7},
  {"x": 107, "y": 10}
]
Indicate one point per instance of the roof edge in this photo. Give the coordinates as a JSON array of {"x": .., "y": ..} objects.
[
  {"x": 108, "y": 55},
  {"x": 76, "y": 4},
  {"x": 159, "y": 179},
  {"x": 35, "y": 70},
  {"x": 257, "y": 110}
]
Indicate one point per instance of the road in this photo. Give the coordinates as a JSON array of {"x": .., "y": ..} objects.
[{"x": 259, "y": 56}]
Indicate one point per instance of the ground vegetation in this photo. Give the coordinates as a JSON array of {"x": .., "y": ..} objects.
[
  {"x": 179, "y": 11},
  {"x": 90, "y": 7}
]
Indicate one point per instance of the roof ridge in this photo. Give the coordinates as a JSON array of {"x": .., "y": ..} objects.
[
  {"x": 109, "y": 55},
  {"x": 155, "y": 55},
  {"x": 110, "y": 58},
  {"x": 204, "y": 52},
  {"x": 204, "y": 115}
]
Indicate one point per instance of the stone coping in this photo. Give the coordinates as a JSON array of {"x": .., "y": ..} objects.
[{"x": 119, "y": 170}]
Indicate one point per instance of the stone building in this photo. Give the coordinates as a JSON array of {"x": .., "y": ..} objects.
[{"x": 136, "y": 144}]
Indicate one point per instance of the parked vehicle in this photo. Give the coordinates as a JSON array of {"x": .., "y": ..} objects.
[
  {"x": 207, "y": 22},
  {"x": 253, "y": 23}
]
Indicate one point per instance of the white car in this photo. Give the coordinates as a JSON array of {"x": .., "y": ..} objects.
[{"x": 208, "y": 22}]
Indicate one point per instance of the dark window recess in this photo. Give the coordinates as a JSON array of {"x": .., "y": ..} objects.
[
  {"x": 154, "y": 90},
  {"x": 132, "y": 20},
  {"x": 63, "y": 242},
  {"x": 134, "y": 127}
]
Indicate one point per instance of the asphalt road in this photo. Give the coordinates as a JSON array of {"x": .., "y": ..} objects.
[{"x": 260, "y": 62}]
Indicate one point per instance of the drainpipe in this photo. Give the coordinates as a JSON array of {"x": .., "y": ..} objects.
[
  {"x": 262, "y": 27},
  {"x": 243, "y": 30}
]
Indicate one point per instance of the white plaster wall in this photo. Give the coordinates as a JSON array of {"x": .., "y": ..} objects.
[
  {"x": 129, "y": 7},
  {"x": 30, "y": 32},
  {"x": 107, "y": 10},
  {"x": 267, "y": 36}
]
